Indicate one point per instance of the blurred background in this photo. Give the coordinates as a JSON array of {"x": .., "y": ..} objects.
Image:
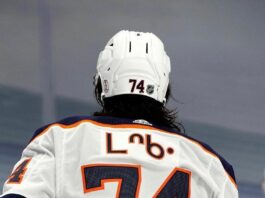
[{"x": 48, "y": 56}]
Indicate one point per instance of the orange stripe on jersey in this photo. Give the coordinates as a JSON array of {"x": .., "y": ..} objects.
[{"x": 137, "y": 126}]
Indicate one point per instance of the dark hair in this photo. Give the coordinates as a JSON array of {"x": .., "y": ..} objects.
[{"x": 137, "y": 107}]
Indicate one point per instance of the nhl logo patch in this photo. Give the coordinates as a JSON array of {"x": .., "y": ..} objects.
[
  {"x": 150, "y": 89},
  {"x": 140, "y": 121}
]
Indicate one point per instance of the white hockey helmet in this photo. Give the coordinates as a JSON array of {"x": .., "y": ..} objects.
[{"x": 134, "y": 63}]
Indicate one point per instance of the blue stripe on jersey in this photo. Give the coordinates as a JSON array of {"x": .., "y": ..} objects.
[
  {"x": 13, "y": 196},
  {"x": 115, "y": 120}
]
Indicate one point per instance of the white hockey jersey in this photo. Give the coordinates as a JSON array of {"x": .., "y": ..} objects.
[{"x": 109, "y": 157}]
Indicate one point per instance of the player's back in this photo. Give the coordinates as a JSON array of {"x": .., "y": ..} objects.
[{"x": 111, "y": 157}]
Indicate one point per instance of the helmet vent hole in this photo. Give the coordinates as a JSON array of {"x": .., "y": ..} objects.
[
  {"x": 146, "y": 48},
  {"x": 130, "y": 46},
  {"x": 111, "y": 45},
  {"x": 138, "y": 34},
  {"x": 108, "y": 69}
]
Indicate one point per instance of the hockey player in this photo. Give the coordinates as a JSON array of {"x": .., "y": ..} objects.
[{"x": 132, "y": 148}]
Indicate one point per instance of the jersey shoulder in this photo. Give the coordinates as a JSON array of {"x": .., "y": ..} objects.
[{"x": 226, "y": 165}]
